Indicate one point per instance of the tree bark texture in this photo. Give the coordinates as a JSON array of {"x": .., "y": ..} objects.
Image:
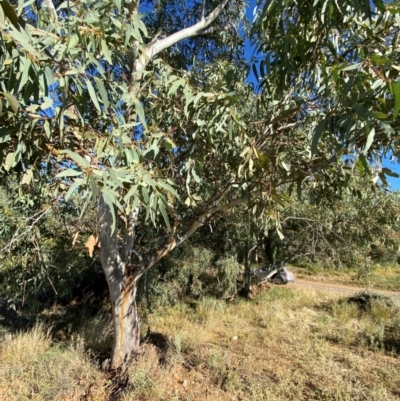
[
  {"x": 126, "y": 325},
  {"x": 123, "y": 287}
]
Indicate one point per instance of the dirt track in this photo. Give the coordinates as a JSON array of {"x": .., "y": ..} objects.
[{"x": 344, "y": 289}]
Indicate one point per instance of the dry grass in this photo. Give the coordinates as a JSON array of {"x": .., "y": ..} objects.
[
  {"x": 33, "y": 368},
  {"x": 379, "y": 277},
  {"x": 285, "y": 344}
]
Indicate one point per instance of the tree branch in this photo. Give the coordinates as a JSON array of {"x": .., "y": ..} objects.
[
  {"x": 26, "y": 230},
  {"x": 171, "y": 242},
  {"x": 194, "y": 30},
  {"x": 314, "y": 221},
  {"x": 159, "y": 45},
  {"x": 132, "y": 7},
  {"x": 203, "y": 9},
  {"x": 138, "y": 255},
  {"x": 222, "y": 192}
]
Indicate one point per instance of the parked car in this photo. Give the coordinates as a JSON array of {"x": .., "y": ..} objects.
[{"x": 277, "y": 274}]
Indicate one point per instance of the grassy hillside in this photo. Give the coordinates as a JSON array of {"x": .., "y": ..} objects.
[{"x": 284, "y": 344}]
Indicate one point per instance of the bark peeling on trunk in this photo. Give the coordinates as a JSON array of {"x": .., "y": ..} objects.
[
  {"x": 122, "y": 286},
  {"x": 122, "y": 278},
  {"x": 126, "y": 327}
]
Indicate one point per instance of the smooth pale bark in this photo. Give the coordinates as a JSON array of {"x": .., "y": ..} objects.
[
  {"x": 156, "y": 46},
  {"x": 122, "y": 279},
  {"x": 126, "y": 325},
  {"x": 122, "y": 290}
]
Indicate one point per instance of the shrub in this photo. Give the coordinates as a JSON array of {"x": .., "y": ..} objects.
[{"x": 228, "y": 270}]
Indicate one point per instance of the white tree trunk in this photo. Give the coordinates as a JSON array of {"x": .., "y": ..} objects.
[
  {"x": 122, "y": 277},
  {"x": 123, "y": 287},
  {"x": 126, "y": 325}
]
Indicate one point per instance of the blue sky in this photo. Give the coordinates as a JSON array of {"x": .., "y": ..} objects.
[{"x": 394, "y": 166}]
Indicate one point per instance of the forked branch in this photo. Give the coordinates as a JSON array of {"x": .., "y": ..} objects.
[{"x": 157, "y": 46}]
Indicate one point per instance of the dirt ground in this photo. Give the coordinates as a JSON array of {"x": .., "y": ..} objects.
[{"x": 340, "y": 288}]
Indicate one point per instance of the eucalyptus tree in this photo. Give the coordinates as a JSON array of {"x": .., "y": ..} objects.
[
  {"x": 34, "y": 261},
  {"x": 341, "y": 59},
  {"x": 148, "y": 117},
  {"x": 89, "y": 106},
  {"x": 355, "y": 230}
]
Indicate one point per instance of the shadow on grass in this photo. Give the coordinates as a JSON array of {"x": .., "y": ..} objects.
[
  {"x": 65, "y": 317},
  {"x": 378, "y": 318}
]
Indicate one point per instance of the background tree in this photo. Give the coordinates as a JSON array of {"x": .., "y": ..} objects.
[
  {"x": 42, "y": 247},
  {"x": 354, "y": 231}
]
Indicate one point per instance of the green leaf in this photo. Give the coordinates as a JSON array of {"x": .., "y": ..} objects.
[
  {"x": 47, "y": 130},
  {"x": 370, "y": 140},
  {"x": 12, "y": 101},
  {"x": 195, "y": 176},
  {"x": 176, "y": 84},
  {"x": 380, "y": 5},
  {"x": 285, "y": 165},
  {"x": 93, "y": 187},
  {"x": 351, "y": 67},
  {"x": 135, "y": 202},
  {"x": 3, "y": 23},
  {"x": 317, "y": 134},
  {"x": 48, "y": 102},
  {"x": 363, "y": 164},
  {"x": 9, "y": 161},
  {"x": 140, "y": 111},
  {"x": 24, "y": 40},
  {"x": 145, "y": 194},
  {"x": 25, "y": 74},
  {"x": 69, "y": 173},
  {"x": 395, "y": 86},
  {"x": 164, "y": 213},
  {"x": 106, "y": 51},
  {"x": 27, "y": 177},
  {"x": 103, "y": 92},
  {"x": 49, "y": 76},
  {"x": 168, "y": 187},
  {"x": 76, "y": 158},
  {"x": 72, "y": 189},
  {"x": 169, "y": 144},
  {"x": 379, "y": 115},
  {"x": 93, "y": 95},
  {"x": 11, "y": 14},
  {"x": 390, "y": 173}
]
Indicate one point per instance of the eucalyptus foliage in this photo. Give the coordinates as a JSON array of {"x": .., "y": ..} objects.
[
  {"x": 42, "y": 251},
  {"x": 355, "y": 231},
  {"x": 340, "y": 62},
  {"x": 144, "y": 107},
  {"x": 66, "y": 86}
]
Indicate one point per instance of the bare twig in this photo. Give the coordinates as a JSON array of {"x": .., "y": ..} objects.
[
  {"x": 17, "y": 234},
  {"x": 314, "y": 221}
]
